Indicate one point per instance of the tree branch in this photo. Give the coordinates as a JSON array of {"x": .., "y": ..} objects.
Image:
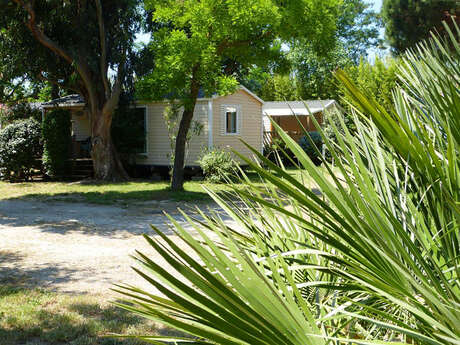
[
  {"x": 102, "y": 39},
  {"x": 41, "y": 37},
  {"x": 112, "y": 102}
]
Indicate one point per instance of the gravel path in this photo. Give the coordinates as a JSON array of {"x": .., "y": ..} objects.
[{"x": 76, "y": 247}]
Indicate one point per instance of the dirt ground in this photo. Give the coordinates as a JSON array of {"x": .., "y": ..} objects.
[{"x": 76, "y": 247}]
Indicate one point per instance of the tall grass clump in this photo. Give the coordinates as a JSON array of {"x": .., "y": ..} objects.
[{"x": 372, "y": 258}]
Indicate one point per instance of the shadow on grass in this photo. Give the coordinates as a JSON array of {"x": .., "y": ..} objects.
[
  {"x": 99, "y": 192},
  {"x": 111, "y": 197},
  {"x": 32, "y": 316}
]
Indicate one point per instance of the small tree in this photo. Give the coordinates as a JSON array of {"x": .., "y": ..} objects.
[
  {"x": 202, "y": 44},
  {"x": 57, "y": 143},
  {"x": 19, "y": 149}
]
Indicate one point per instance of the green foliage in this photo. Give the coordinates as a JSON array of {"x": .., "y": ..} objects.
[
  {"x": 377, "y": 80},
  {"x": 409, "y": 21},
  {"x": 171, "y": 116},
  {"x": 357, "y": 32},
  {"x": 206, "y": 35},
  {"x": 278, "y": 88},
  {"x": 373, "y": 259},
  {"x": 20, "y": 147},
  {"x": 218, "y": 166},
  {"x": 312, "y": 143},
  {"x": 358, "y": 29},
  {"x": 73, "y": 28},
  {"x": 315, "y": 79},
  {"x": 280, "y": 154},
  {"x": 128, "y": 131},
  {"x": 19, "y": 111},
  {"x": 83, "y": 47},
  {"x": 56, "y": 130}
]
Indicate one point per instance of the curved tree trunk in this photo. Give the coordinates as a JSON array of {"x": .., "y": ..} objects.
[{"x": 107, "y": 164}]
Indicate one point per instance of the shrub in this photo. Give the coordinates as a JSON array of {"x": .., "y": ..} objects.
[
  {"x": 20, "y": 147},
  {"x": 19, "y": 111},
  {"x": 218, "y": 166},
  {"x": 307, "y": 144},
  {"x": 57, "y": 143}
]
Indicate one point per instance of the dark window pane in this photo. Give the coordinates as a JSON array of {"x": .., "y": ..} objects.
[{"x": 231, "y": 122}]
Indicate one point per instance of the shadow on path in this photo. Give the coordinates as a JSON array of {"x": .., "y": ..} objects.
[
  {"x": 102, "y": 220},
  {"x": 13, "y": 272}
]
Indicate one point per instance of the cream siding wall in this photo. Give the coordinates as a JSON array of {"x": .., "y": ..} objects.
[
  {"x": 251, "y": 126},
  {"x": 158, "y": 143},
  {"x": 81, "y": 129}
]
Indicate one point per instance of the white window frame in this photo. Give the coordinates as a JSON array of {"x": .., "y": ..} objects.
[{"x": 238, "y": 119}]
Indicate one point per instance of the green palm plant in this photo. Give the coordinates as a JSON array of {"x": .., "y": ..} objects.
[{"x": 369, "y": 255}]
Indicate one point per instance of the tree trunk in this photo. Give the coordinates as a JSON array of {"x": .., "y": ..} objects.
[
  {"x": 107, "y": 164},
  {"x": 177, "y": 183}
]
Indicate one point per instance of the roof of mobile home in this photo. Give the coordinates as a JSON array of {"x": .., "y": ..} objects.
[
  {"x": 76, "y": 100},
  {"x": 289, "y": 108}
]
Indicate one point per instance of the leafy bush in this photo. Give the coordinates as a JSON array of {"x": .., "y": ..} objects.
[
  {"x": 19, "y": 111},
  {"x": 57, "y": 142},
  {"x": 20, "y": 147},
  {"x": 374, "y": 259},
  {"x": 307, "y": 145},
  {"x": 218, "y": 165}
]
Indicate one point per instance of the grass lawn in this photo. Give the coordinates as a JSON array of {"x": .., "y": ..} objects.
[
  {"x": 38, "y": 317},
  {"x": 101, "y": 193},
  {"x": 108, "y": 193}
]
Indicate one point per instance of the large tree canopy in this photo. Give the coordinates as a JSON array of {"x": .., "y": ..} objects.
[
  {"x": 203, "y": 44},
  {"x": 409, "y": 21},
  {"x": 83, "y": 46}
]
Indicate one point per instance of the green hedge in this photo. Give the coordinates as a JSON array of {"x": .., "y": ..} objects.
[{"x": 57, "y": 141}]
